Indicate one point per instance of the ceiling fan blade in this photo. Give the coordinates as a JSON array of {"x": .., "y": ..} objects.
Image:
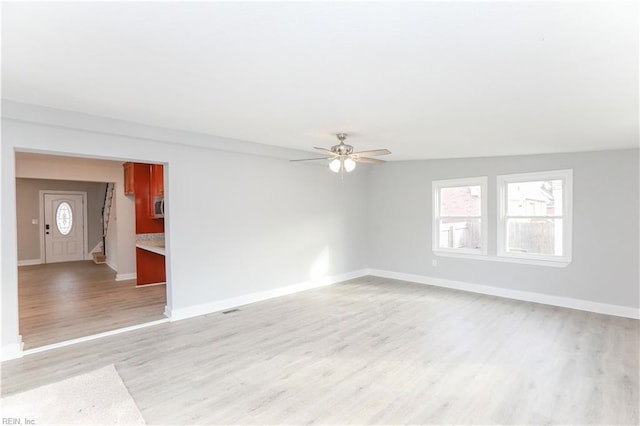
[
  {"x": 310, "y": 159},
  {"x": 324, "y": 149},
  {"x": 374, "y": 152},
  {"x": 368, "y": 160}
]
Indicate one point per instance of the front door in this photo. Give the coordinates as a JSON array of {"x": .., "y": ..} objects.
[{"x": 63, "y": 227}]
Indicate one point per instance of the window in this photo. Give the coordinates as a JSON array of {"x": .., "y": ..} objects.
[
  {"x": 64, "y": 218},
  {"x": 460, "y": 213},
  {"x": 535, "y": 216}
]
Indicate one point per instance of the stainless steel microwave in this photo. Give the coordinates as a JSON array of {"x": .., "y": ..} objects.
[{"x": 158, "y": 206}]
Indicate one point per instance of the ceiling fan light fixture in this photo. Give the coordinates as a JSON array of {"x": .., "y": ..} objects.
[
  {"x": 343, "y": 158},
  {"x": 349, "y": 164},
  {"x": 335, "y": 165}
]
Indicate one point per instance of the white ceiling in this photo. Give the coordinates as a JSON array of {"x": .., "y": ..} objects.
[{"x": 424, "y": 79}]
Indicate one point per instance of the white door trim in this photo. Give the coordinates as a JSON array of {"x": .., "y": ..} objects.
[{"x": 84, "y": 214}]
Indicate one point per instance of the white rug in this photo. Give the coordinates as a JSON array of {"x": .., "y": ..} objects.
[{"x": 96, "y": 398}]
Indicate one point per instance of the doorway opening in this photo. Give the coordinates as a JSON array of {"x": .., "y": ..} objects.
[{"x": 76, "y": 252}]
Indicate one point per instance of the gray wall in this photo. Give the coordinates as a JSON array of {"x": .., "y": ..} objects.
[
  {"x": 28, "y": 208},
  {"x": 237, "y": 224},
  {"x": 605, "y": 225}
]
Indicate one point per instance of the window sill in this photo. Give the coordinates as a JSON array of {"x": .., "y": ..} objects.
[{"x": 485, "y": 257}]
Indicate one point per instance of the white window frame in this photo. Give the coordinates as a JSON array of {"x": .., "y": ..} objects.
[
  {"x": 436, "y": 186},
  {"x": 567, "y": 217}
]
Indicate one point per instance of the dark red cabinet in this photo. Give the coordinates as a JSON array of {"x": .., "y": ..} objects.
[
  {"x": 146, "y": 182},
  {"x": 156, "y": 180},
  {"x": 129, "y": 187},
  {"x": 150, "y": 267}
]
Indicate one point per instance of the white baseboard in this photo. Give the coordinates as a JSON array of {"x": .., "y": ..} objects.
[
  {"x": 124, "y": 277},
  {"x": 111, "y": 265},
  {"x": 150, "y": 285},
  {"x": 221, "y": 305},
  {"x": 28, "y": 262},
  {"x": 13, "y": 350},
  {"x": 565, "y": 302}
]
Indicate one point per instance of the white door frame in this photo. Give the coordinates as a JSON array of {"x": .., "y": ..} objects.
[{"x": 84, "y": 214}]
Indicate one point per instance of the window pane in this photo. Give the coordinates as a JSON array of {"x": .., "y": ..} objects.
[
  {"x": 460, "y": 201},
  {"x": 64, "y": 218},
  {"x": 460, "y": 233},
  {"x": 537, "y": 198},
  {"x": 535, "y": 236}
]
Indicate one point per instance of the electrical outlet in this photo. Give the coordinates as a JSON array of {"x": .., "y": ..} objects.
[{"x": 434, "y": 263}]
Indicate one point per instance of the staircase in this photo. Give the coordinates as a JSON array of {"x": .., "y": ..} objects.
[{"x": 101, "y": 257}]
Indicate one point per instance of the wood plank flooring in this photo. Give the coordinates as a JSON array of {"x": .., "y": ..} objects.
[
  {"x": 63, "y": 301},
  {"x": 368, "y": 351}
]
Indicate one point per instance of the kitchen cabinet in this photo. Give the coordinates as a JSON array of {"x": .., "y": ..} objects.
[
  {"x": 144, "y": 201},
  {"x": 150, "y": 267},
  {"x": 128, "y": 179},
  {"x": 155, "y": 176},
  {"x": 156, "y": 179}
]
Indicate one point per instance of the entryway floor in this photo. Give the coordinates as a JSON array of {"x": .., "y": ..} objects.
[{"x": 64, "y": 301}]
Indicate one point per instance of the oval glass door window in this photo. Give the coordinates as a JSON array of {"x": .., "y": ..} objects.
[{"x": 64, "y": 218}]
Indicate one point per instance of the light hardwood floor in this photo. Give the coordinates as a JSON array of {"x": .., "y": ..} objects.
[
  {"x": 63, "y": 301},
  {"x": 368, "y": 351}
]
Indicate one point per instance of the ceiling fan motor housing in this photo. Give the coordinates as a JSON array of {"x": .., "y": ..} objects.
[{"x": 342, "y": 149}]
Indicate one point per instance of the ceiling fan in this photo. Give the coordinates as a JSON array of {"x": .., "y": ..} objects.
[{"x": 343, "y": 158}]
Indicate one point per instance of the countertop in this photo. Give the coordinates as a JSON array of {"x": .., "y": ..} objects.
[
  {"x": 152, "y": 246},
  {"x": 151, "y": 242}
]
